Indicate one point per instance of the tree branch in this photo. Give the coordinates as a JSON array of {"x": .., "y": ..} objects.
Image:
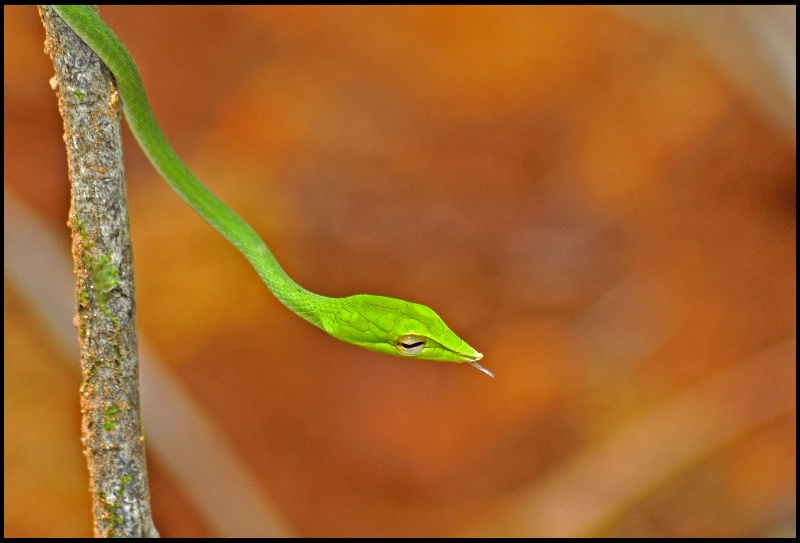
[{"x": 106, "y": 320}]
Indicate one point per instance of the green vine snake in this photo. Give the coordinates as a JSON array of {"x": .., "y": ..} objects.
[{"x": 377, "y": 323}]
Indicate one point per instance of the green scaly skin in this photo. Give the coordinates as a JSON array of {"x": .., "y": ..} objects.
[{"x": 377, "y": 323}]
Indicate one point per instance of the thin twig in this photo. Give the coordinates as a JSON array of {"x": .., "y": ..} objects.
[{"x": 103, "y": 259}]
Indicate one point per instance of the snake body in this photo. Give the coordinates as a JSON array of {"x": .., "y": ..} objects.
[{"x": 377, "y": 323}]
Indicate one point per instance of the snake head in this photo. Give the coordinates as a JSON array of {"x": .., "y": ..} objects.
[{"x": 399, "y": 328}]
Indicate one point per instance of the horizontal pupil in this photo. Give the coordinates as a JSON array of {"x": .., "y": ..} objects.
[{"x": 412, "y": 345}]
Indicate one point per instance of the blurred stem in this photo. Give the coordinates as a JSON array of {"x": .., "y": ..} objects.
[{"x": 103, "y": 259}]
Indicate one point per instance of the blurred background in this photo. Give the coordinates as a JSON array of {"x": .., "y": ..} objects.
[{"x": 602, "y": 201}]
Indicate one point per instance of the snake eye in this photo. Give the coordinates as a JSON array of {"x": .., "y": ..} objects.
[{"x": 409, "y": 345}]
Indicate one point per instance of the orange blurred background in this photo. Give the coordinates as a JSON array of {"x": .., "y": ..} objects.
[{"x": 593, "y": 198}]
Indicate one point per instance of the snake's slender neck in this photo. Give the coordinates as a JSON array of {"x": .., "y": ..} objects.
[
  {"x": 164, "y": 158},
  {"x": 155, "y": 145}
]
